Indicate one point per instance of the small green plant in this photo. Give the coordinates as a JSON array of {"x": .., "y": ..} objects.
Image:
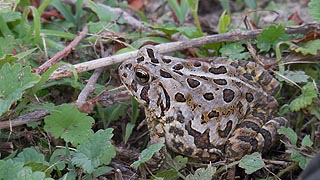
[
  {"x": 297, "y": 156},
  {"x": 14, "y": 80},
  {"x": 270, "y": 37},
  {"x": 252, "y": 163},
  {"x": 147, "y": 154}
]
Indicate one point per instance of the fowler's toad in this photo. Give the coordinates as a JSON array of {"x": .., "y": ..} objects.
[{"x": 205, "y": 109}]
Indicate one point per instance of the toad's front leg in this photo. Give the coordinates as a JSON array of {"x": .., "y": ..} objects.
[{"x": 157, "y": 135}]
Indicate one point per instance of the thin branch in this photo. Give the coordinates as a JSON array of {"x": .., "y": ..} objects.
[
  {"x": 106, "y": 98},
  {"x": 63, "y": 53},
  {"x": 24, "y": 119},
  {"x": 82, "y": 103},
  {"x": 233, "y": 36},
  {"x": 282, "y": 163}
]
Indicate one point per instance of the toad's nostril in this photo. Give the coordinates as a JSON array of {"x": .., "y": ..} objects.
[{"x": 128, "y": 66}]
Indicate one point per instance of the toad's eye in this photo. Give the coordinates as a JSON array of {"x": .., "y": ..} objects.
[{"x": 142, "y": 76}]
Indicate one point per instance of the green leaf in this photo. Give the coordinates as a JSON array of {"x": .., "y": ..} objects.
[
  {"x": 32, "y": 158},
  {"x": 270, "y": 37},
  {"x": 168, "y": 175},
  {"x": 7, "y": 58},
  {"x": 56, "y": 33},
  {"x": 43, "y": 5},
  {"x": 284, "y": 109},
  {"x": 105, "y": 16},
  {"x": 129, "y": 128},
  {"x": 36, "y": 24},
  {"x": 147, "y": 154},
  {"x": 170, "y": 29},
  {"x": 64, "y": 10},
  {"x": 126, "y": 49},
  {"x": 16, "y": 170},
  {"x": 141, "y": 41},
  {"x": 234, "y": 51},
  {"x": 289, "y": 133},
  {"x": 14, "y": 80},
  {"x": 314, "y": 9},
  {"x": 167, "y": 28},
  {"x": 296, "y": 76},
  {"x": 101, "y": 170},
  {"x": 251, "y": 163},
  {"x": 135, "y": 114},
  {"x": 308, "y": 93},
  {"x": 180, "y": 10},
  {"x": 59, "y": 158},
  {"x": 135, "y": 110},
  {"x": 30, "y": 155},
  {"x": 202, "y": 173},
  {"x": 224, "y": 22},
  {"x": 71, "y": 175},
  {"x": 252, "y": 4},
  {"x": 8, "y": 43},
  {"x": 310, "y": 47},
  {"x": 35, "y": 166},
  {"x": 194, "y": 6},
  {"x": 4, "y": 28},
  {"x": 179, "y": 162},
  {"x": 190, "y": 31},
  {"x": 27, "y": 173},
  {"x": 94, "y": 152},
  {"x": 24, "y": 54},
  {"x": 55, "y": 45},
  {"x": 306, "y": 141},
  {"x": 115, "y": 111},
  {"x": 9, "y": 169},
  {"x": 11, "y": 16},
  {"x": 67, "y": 122},
  {"x": 297, "y": 157}
]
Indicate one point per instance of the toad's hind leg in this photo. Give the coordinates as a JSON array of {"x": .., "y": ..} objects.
[{"x": 250, "y": 137}]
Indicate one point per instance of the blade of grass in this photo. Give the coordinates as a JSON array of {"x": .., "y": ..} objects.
[
  {"x": 54, "y": 45},
  {"x": 25, "y": 36},
  {"x": 180, "y": 10},
  {"x": 62, "y": 8},
  {"x": 79, "y": 11},
  {"x": 49, "y": 32},
  {"x": 4, "y": 27},
  {"x": 43, "y": 5},
  {"x": 36, "y": 25},
  {"x": 194, "y": 5}
]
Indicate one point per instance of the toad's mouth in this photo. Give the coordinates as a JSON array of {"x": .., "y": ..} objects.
[{"x": 164, "y": 106}]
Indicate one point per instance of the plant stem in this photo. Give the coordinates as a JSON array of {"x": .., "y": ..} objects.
[
  {"x": 194, "y": 9},
  {"x": 223, "y": 168},
  {"x": 287, "y": 169}
]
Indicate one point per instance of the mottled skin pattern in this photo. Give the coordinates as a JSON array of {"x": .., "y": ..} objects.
[{"x": 205, "y": 110}]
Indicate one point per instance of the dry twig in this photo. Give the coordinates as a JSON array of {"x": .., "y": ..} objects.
[
  {"x": 233, "y": 36},
  {"x": 82, "y": 104},
  {"x": 24, "y": 119},
  {"x": 58, "y": 56}
]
